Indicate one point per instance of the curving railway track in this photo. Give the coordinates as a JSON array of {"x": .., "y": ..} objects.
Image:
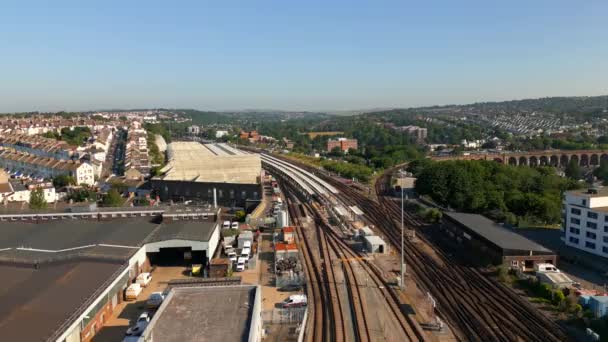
[
  {"x": 476, "y": 308},
  {"x": 340, "y": 310}
]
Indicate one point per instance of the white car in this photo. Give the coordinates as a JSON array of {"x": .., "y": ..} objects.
[
  {"x": 235, "y": 225},
  {"x": 140, "y": 325},
  {"x": 240, "y": 267},
  {"x": 144, "y": 279},
  {"x": 226, "y": 225}
]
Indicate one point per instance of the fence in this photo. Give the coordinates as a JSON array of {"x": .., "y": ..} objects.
[
  {"x": 289, "y": 278},
  {"x": 284, "y": 315}
]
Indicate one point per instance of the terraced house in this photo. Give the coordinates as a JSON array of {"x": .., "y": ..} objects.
[{"x": 40, "y": 167}]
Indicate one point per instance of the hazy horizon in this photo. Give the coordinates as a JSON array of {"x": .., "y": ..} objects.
[{"x": 311, "y": 56}]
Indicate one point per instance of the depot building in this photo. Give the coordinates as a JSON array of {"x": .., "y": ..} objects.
[{"x": 62, "y": 278}]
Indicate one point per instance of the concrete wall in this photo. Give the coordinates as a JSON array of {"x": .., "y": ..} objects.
[{"x": 255, "y": 332}]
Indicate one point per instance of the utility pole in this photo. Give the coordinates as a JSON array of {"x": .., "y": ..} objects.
[{"x": 402, "y": 259}]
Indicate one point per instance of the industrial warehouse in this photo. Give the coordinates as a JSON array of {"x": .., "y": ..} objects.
[
  {"x": 494, "y": 242},
  {"x": 63, "y": 277},
  {"x": 215, "y": 173}
]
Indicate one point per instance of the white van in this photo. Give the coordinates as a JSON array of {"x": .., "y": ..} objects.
[
  {"x": 144, "y": 279},
  {"x": 545, "y": 267},
  {"x": 235, "y": 225},
  {"x": 294, "y": 300},
  {"x": 133, "y": 291},
  {"x": 246, "y": 244},
  {"x": 240, "y": 266},
  {"x": 232, "y": 256},
  {"x": 245, "y": 252},
  {"x": 226, "y": 225}
]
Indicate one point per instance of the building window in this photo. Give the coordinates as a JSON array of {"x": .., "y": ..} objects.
[
  {"x": 591, "y": 235},
  {"x": 209, "y": 193},
  {"x": 589, "y": 244},
  {"x": 605, "y": 249},
  {"x": 221, "y": 194},
  {"x": 575, "y": 220},
  {"x": 592, "y": 215},
  {"x": 575, "y": 231},
  {"x": 574, "y": 240},
  {"x": 575, "y": 211},
  {"x": 231, "y": 194},
  {"x": 255, "y": 195},
  {"x": 584, "y": 202},
  {"x": 592, "y": 225},
  {"x": 243, "y": 194},
  {"x": 605, "y": 238}
]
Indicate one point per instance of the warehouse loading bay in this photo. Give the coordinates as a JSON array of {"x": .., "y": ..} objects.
[{"x": 169, "y": 266}]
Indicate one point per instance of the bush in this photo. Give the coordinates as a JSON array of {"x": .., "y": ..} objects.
[
  {"x": 37, "y": 200},
  {"x": 432, "y": 215},
  {"x": 240, "y": 215},
  {"x": 112, "y": 199}
]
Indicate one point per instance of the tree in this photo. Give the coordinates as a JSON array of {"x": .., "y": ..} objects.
[
  {"x": 240, "y": 215},
  {"x": 37, "y": 200},
  {"x": 112, "y": 199},
  {"x": 573, "y": 171},
  {"x": 61, "y": 181}
]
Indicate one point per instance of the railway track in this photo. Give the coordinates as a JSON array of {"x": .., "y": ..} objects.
[
  {"x": 479, "y": 308},
  {"x": 475, "y": 307},
  {"x": 324, "y": 251}
]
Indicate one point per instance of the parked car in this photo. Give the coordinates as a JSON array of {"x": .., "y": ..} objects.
[
  {"x": 232, "y": 256},
  {"x": 294, "y": 301},
  {"x": 144, "y": 279},
  {"x": 290, "y": 288},
  {"x": 155, "y": 300},
  {"x": 133, "y": 291},
  {"x": 234, "y": 225},
  {"x": 226, "y": 225},
  {"x": 140, "y": 325},
  {"x": 240, "y": 266},
  {"x": 245, "y": 252}
]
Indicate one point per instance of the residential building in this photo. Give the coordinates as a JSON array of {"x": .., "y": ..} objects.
[
  {"x": 585, "y": 220},
  {"x": 194, "y": 129},
  {"x": 343, "y": 143},
  {"x": 37, "y": 145},
  {"x": 420, "y": 133},
  {"x": 20, "y": 164}
]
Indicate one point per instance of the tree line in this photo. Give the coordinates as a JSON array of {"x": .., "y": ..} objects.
[{"x": 512, "y": 194}]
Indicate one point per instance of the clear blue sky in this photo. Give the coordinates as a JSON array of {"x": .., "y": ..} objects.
[{"x": 313, "y": 55}]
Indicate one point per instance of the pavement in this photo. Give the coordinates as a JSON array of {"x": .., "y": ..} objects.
[{"x": 126, "y": 313}]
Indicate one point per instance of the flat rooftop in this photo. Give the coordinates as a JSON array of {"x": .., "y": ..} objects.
[
  {"x": 597, "y": 192},
  {"x": 65, "y": 234},
  {"x": 210, "y": 163},
  {"x": 491, "y": 231},
  {"x": 196, "y": 230},
  {"x": 218, "y": 313},
  {"x": 35, "y": 302}
]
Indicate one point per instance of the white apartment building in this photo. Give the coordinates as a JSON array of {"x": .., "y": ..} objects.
[{"x": 585, "y": 220}]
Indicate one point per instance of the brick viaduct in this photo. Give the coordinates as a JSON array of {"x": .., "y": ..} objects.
[{"x": 538, "y": 158}]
